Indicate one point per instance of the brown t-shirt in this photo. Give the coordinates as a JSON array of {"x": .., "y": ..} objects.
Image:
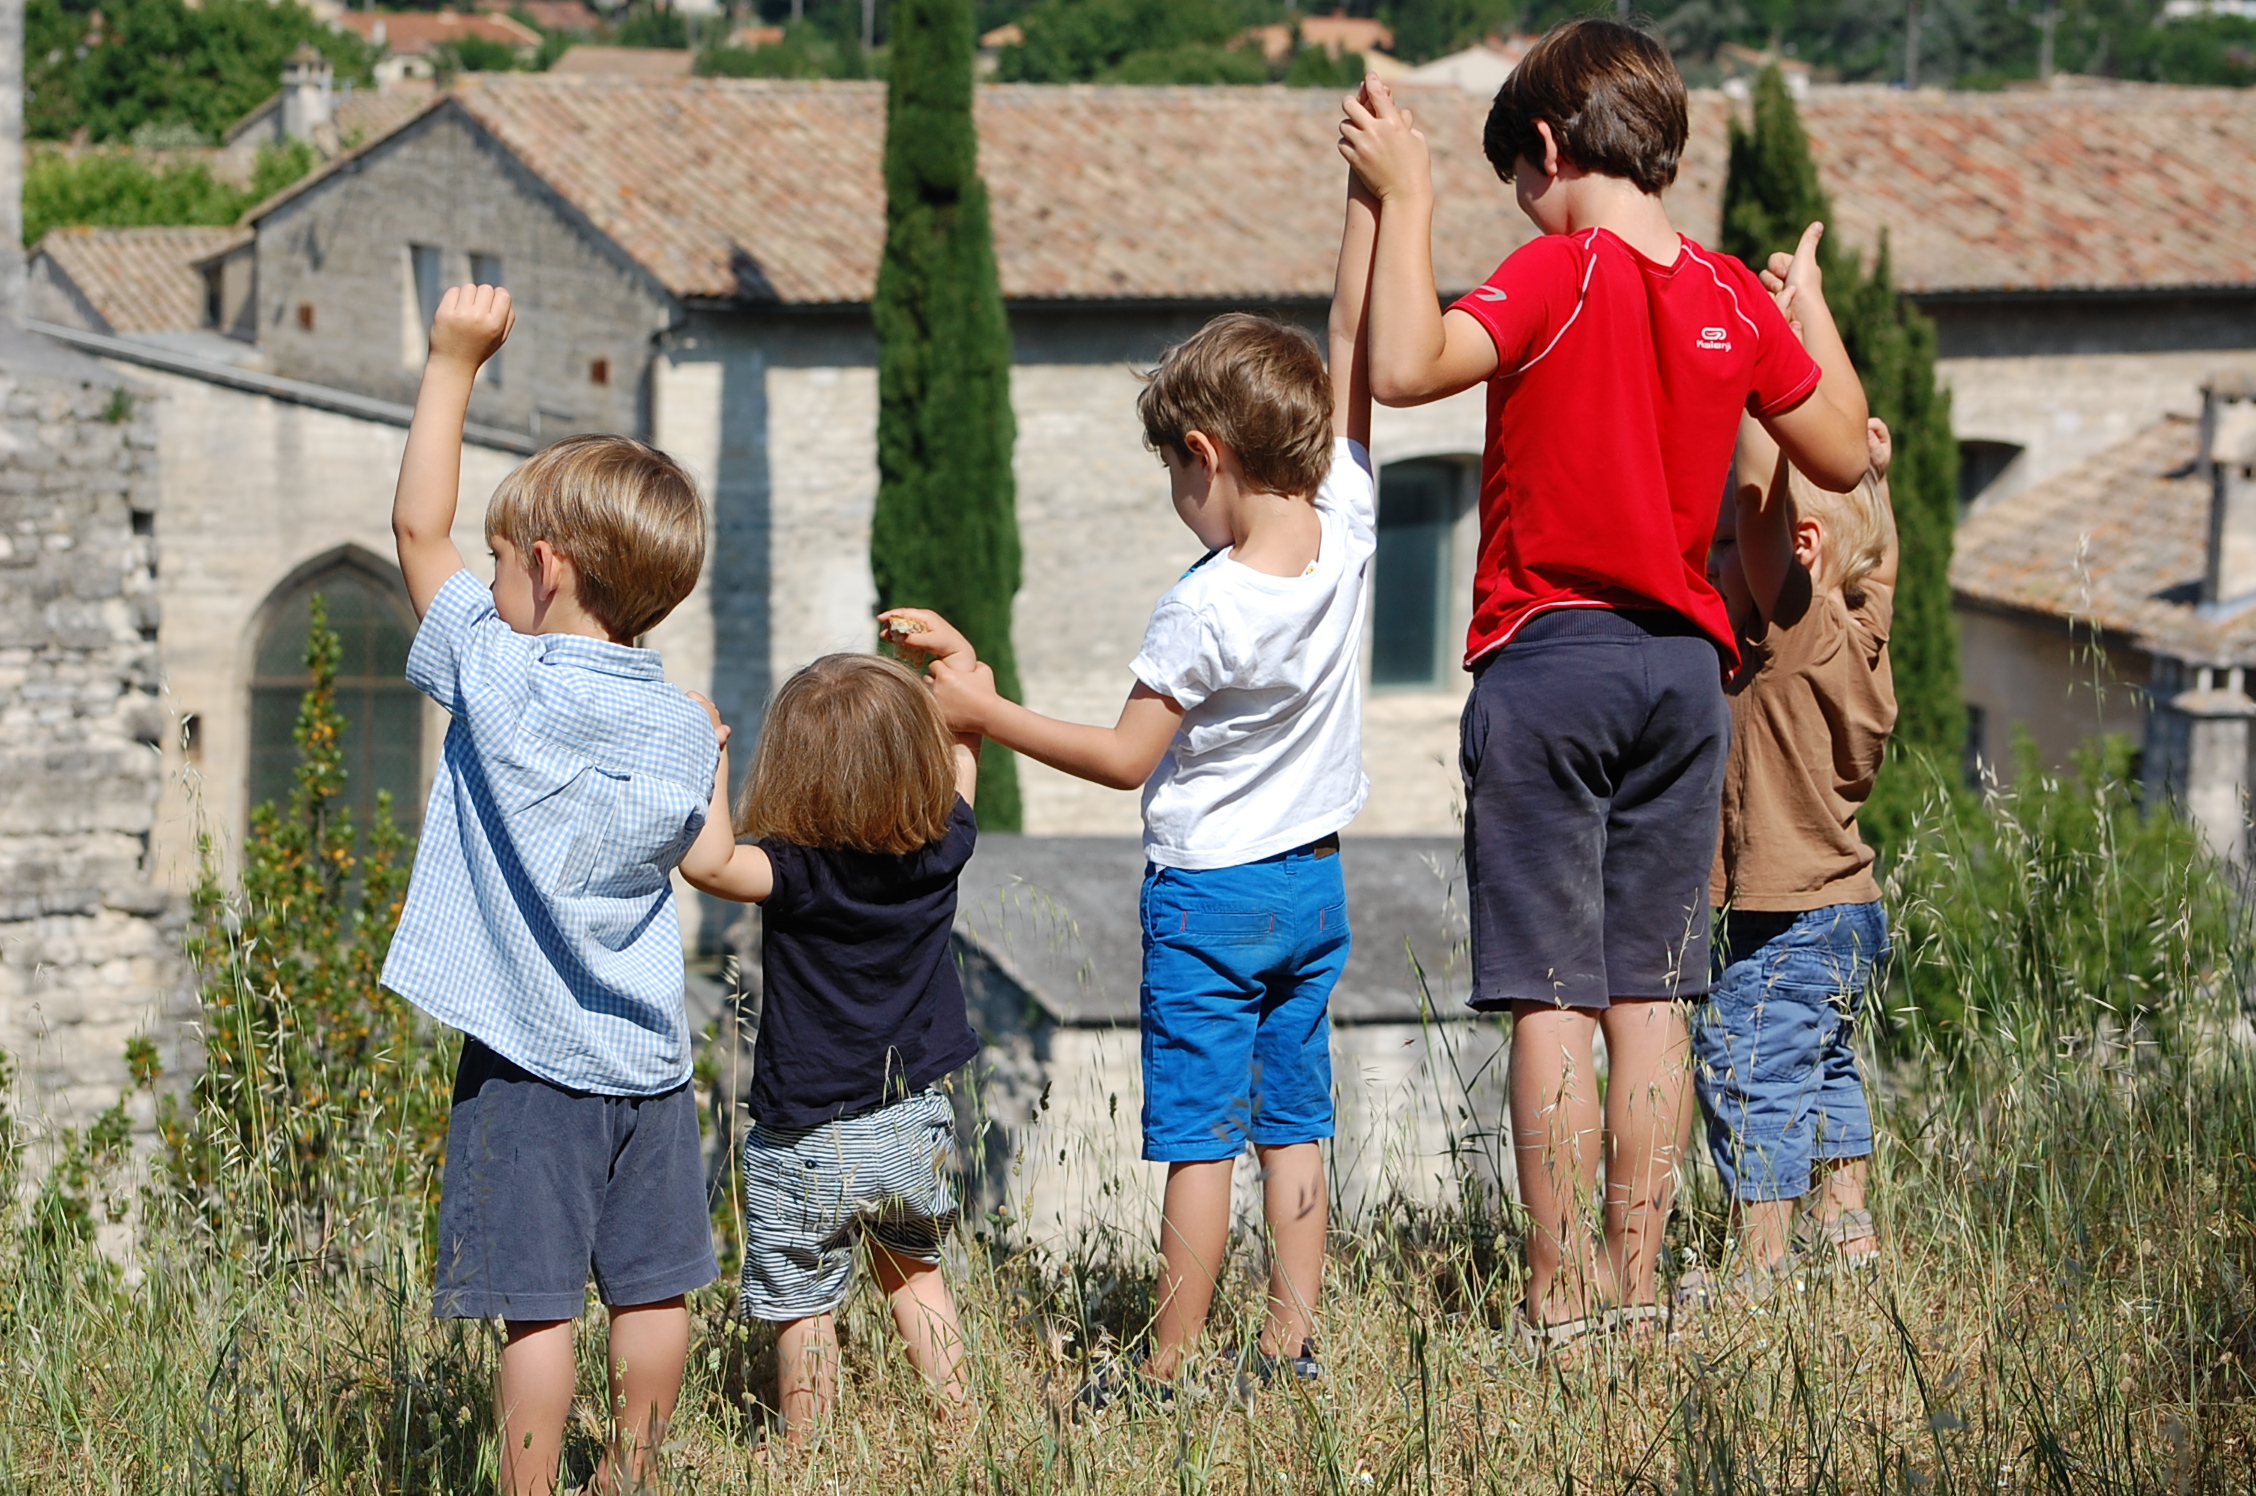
[{"x": 1811, "y": 709}]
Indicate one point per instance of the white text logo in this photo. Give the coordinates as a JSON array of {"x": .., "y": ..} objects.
[{"x": 1714, "y": 337}]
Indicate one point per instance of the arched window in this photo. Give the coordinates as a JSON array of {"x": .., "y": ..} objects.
[
  {"x": 383, "y": 736},
  {"x": 1413, "y": 574}
]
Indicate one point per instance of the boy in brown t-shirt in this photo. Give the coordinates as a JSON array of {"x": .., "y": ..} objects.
[{"x": 1809, "y": 578}]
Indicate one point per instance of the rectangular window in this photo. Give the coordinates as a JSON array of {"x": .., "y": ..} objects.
[
  {"x": 425, "y": 284},
  {"x": 485, "y": 270},
  {"x": 215, "y": 297},
  {"x": 1410, "y": 576}
]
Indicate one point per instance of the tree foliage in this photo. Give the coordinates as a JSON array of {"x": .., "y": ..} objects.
[
  {"x": 108, "y": 187},
  {"x": 321, "y": 1092},
  {"x": 945, "y": 533},
  {"x": 112, "y": 68},
  {"x": 1770, "y": 193},
  {"x": 1164, "y": 41}
]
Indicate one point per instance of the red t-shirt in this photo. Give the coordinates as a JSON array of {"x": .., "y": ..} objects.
[{"x": 1611, "y": 420}]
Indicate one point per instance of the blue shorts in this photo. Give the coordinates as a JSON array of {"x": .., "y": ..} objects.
[
  {"x": 1239, "y": 965},
  {"x": 1774, "y": 1056}
]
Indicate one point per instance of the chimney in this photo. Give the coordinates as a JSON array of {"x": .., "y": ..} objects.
[
  {"x": 305, "y": 91},
  {"x": 11, "y": 160},
  {"x": 2228, "y": 456}
]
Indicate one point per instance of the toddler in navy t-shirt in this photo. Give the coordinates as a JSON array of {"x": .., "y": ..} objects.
[{"x": 860, "y": 805}]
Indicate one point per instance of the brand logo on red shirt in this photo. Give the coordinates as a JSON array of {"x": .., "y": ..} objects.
[{"x": 1714, "y": 337}]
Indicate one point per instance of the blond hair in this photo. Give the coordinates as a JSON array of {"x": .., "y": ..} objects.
[
  {"x": 1254, "y": 385},
  {"x": 622, "y": 512},
  {"x": 1859, "y": 528},
  {"x": 853, "y": 755}
]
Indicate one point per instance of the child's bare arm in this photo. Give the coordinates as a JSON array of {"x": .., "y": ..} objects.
[
  {"x": 1880, "y": 450},
  {"x": 966, "y": 753},
  {"x": 715, "y": 863},
  {"x": 1824, "y": 436},
  {"x": 1417, "y": 354},
  {"x": 1119, "y": 757},
  {"x": 1765, "y": 516},
  {"x": 471, "y": 324},
  {"x": 1351, "y": 309}
]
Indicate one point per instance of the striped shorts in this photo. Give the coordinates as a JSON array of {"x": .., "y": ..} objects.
[{"x": 810, "y": 1193}]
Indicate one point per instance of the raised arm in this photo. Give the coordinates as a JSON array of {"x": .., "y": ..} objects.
[
  {"x": 470, "y": 327},
  {"x": 716, "y": 863},
  {"x": 1350, "y": 325},
  {"x": 1417, "y": 354},
  {"x": 1765, "y": 514},
  {"x": 1824, "y": 436},
  {"x": 1120, "y": 757}
]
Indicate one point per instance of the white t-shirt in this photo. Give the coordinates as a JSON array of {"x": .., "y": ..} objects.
[{"x": 1269, "y": 674}]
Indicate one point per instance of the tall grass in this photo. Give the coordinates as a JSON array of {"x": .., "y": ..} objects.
[{"x": 2066, "y": 1183}]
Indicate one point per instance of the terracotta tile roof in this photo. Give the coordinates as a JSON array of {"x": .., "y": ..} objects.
[
  {"x": 2118, "y": 542},
  {"x": 772, "y": 189},
  {"x": 643, "y": 64},
  {"x": 412, "y": 32},
  {"x": 725, "y": 188},
  {"x": 140, "y": 279}
]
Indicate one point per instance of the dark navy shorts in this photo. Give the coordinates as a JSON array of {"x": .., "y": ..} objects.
[
  {"x": 545, "y": 1185},
  {"x": 1774, "y": 1046},
  {"x": 1239, "y": 966},
  {"x": 1593, "y": 748}
]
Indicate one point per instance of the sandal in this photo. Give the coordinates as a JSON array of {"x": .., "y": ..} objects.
[
  {"x": 1823, "y": 1240},
  {"x": 1753, "y": 1287},
  {"x": 1538, "y": 1343}
]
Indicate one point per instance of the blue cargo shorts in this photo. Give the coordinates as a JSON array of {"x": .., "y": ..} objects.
[
  {"x": 1774, "y": 1056},
  {"x": 1239, "y": 966}
]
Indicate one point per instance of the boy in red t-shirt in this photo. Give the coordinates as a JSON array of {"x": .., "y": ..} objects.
[{"x": 1619, "y": 357}]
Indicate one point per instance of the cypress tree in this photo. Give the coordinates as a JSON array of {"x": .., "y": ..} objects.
[
  {"x": 1769, "y": 196},
  {"x": 945, "y": 534}
]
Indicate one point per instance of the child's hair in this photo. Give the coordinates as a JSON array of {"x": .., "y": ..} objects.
[
  {"x": 1258, "y": 387},
  {"x": 1611, "y": 95},
  {"x": 1859, "y": 527},
  {"x": 854, "y": 754},
  {"x": 624, "y": 514}
]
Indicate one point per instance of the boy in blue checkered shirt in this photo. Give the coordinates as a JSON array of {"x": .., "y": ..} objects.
[{"x": 540, "y": 920}]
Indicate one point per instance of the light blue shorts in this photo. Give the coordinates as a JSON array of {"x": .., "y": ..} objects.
[
  {"x": 1239, "y": 966},
  {"x": 1774, "y": 1056}
]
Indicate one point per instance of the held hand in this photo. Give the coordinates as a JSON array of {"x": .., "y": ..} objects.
[
  {"x": 927, "y": 633},
  {"x": 1879, "y": 446},
  {"x": 1383, "y": 144},
  {"x": 964, "y": 694},
  {"x": 1796, "y": 277},
  {"x": 471, "y": 325},
  {"x": 719, "y": 727}
]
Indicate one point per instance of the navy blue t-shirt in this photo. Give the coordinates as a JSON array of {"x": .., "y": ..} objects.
[{"x": 862, "y": 1005}]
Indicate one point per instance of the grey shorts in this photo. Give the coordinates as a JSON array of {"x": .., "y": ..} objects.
[
  {"x": 544, "y": 1185},
  {"x": 1593, "y": 752},
  {"x": 810, "y": 1193}
]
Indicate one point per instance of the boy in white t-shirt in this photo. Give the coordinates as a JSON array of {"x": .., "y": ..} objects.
[{"x": 1245, "y": 730}]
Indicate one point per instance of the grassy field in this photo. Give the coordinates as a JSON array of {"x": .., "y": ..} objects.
[{"x": 2066, "y": 1184}]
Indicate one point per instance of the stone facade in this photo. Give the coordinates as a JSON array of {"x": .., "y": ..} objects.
[
  {"x": 339, "y": 302},
  {"x": 88, "y": 953}
]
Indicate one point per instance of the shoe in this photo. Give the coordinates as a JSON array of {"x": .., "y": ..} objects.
[
  {"x": 1302, "y": 1367},
  {"x": 1122, "y": 1384},
  {"x": 1538, "y": 1343},
  {"x": 1820, "y": 1242}
]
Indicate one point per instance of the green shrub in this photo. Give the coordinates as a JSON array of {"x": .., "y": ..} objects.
[
  {"x": 806, "y": 51},
  {"x": 322, "y": 1095},
  {"x": 121, "y": 190},
  {"x": 2054, "y": 911}
]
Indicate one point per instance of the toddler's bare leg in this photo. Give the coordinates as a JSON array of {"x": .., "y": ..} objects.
[
  {"x": 1295, "y": 1199},
  {"x": 1194, "y": 1232},
  {"x": 649, "y": 1351},
  {"x": 1766, "y": 1231},
  {"x": 532, "y": 1398},
  {"x": 1556, "y": 1144},
  {"x": 1844, "y": 1191},
  {"x": 1648, "y": 1112},
  {"x": 806, "y": 1374},
  {"x": 925, "y": 1314}
]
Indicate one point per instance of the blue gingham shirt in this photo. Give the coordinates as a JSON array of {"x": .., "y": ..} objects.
[{"x": 540, "y": 918}]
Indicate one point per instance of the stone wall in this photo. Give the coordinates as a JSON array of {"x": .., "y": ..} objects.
[{"x": 87, "y": 938}]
